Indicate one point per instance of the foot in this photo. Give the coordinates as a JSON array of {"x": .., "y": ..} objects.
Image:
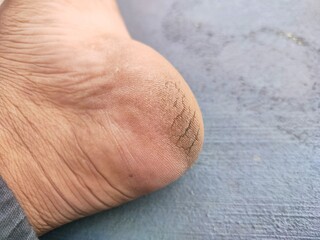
[{"x": 90, "y": 118}]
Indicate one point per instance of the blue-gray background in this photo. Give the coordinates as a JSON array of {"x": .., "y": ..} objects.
[{"x": 254, "y": 66}]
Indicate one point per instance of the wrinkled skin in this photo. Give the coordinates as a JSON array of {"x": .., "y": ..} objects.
[{"x": 89, "y": 118}]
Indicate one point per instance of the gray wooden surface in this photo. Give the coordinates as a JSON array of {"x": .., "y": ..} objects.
[{"x": 254, "y": 65}]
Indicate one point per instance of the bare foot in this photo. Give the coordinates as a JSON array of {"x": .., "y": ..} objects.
[{"x": 89, "y": 118}]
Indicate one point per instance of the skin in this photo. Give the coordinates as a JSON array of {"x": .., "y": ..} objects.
[{"x": 89, "y": 118}]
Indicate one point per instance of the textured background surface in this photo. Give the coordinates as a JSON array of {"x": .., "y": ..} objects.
[{"x": 255, "y": 68}]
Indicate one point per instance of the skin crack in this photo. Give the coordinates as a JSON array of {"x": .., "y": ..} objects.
[
  {"x": 180, "y": 115},
  {"x": 188, "y": 128},
  {"x": 185, "y": 128}
]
